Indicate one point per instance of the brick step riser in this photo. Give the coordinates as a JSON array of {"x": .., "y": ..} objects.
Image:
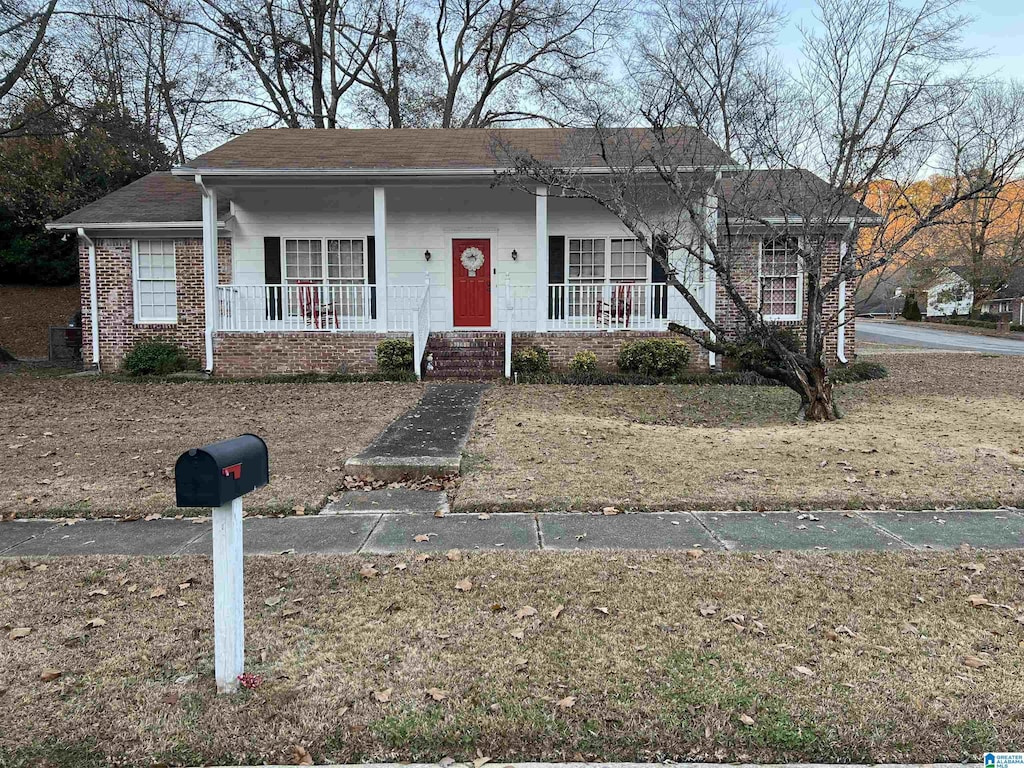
[
  {"x": 465, "y": 346},
  {"x": 466, "y": 355},
  {"x": 481, "y": 368}
]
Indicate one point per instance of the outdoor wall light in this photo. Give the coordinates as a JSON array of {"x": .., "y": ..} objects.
[
  {"x": 426, "y": 255},
  {"x": 515, "y": 254}
]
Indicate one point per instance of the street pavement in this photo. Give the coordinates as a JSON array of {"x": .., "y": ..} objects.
[
  {"x": 928, "y": 337},
  {"x": 385, "y": 533}
]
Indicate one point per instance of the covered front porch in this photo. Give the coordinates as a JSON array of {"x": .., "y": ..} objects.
[{"x": 417, "y": 258}]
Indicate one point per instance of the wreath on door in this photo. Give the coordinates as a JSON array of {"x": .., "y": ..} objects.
[{"x": 472, "y": 259}]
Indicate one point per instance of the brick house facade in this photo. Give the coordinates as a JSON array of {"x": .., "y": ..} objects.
[{"x": 324, "y": 243}]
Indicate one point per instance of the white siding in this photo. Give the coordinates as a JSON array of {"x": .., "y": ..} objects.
[
  {"x": 418, "y": 219},
  {"x": 943, "y": 297}
]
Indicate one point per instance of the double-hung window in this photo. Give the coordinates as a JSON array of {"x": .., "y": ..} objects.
[
  {"x": 780, "y": 278},
  {"x": 595, "y": 266},
  {"x": 325, "y": 276},
  {"x": 153, "y": 281}
]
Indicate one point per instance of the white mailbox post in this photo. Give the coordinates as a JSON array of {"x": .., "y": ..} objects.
[{"x": 217, "y": 476}]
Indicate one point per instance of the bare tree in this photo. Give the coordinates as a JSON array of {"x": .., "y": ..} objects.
[
  {"x": 708, "y": 63},
  {"x": 295, "y": 60},
  {"x": 484, "y": 62},
  {"x": 872, "y": 100},
  {"x": 23, "y": 28}
]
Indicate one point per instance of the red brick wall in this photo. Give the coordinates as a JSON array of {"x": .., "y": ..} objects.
[
  {"x": 261, "y": 354},
  {"x": 745, "y": 270},
  {"x": 118, "y": 330},
  {"x": 562, "y": 345}
]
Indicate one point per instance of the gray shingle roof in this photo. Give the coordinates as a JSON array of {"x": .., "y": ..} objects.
[
  {"x": 775, "y": 193},
  {"x": 157, "y": 198},
  {"x": 307, "y": 149}
]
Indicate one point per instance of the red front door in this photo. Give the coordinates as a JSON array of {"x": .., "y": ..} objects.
[{"x": 471, "y": 279}]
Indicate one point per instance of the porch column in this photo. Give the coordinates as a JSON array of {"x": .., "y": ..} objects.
[
  {"x": 209, "y": 267},
  {"x": 380, "y": 256},
  {"x": 542, "y": 259},
  {"x": 710, "y": 276}
]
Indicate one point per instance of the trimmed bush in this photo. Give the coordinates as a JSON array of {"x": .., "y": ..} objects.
[
  {"x": 911, "y": 311},
  {"x": 394, "y": 355},
  {"x": 1017, "y": 328},
  {"x": 861, "y": 370},
  {"x": 531, "y": 360},
  {"x": 157, "y": 358},
  {"x": 988, "y": 317},
  {"x": 654, "y": 357},
  {"x": 583, "y": 362}
]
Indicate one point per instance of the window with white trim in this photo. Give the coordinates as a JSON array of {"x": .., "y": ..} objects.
[
  {"x": 154, "y": 282},
  {"x": 628, "y": 261},
  {"x": 303, "y": 261},
  {"x": 345, "y": 261},
  {"x": 338, "y": 262},
  {"x": 586, "y": 260},
  {"x": 780, "y": 277}
]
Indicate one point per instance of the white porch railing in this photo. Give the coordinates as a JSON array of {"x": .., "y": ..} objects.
[
  {"x": 618, "y": 306},
  {"x": 314, "y": 307},
  {"x": 421, "y": 331}
]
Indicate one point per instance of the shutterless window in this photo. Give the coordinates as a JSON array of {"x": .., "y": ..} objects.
[
  {"x": 155, "y": 287},
  {"x": 303, "y": 261},
  {"x": 780, "y": 277},
  {"x": 629, "y": 261}
]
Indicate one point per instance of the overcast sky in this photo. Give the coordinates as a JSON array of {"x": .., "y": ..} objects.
[{"x": 998, "y": 28}]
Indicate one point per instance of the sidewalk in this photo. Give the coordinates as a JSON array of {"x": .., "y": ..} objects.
[{"x": 383, "y": 533}]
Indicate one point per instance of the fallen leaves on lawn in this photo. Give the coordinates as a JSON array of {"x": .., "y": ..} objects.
[
  {"x": 518, "y": 634},
  {"x": 17, "y": 632},
  {"x": 436, "y": 694},
  {"x": 419, "y": 538},
  {"x": 525, "y": 611},
  {"x": 368, "y": 571},
  {"x": 567, "y": 703},
  {"x": 707, "y": 609},
  {"x": 97, "y": 622},
  {"x": 601, "y": 609},
  {"x": 158, "y": 592},
  {"x": 805, "y": 671},
  {"x": 49, "y": 675},
  {"x": 481, "y": 761},
  {"x": 383, "y": 696},
  {"x": 464, "y": 585},
  {"x": 977, "y": 662},
  {"x": 977, "y": 601},
  {"x": 270, "y": 602},
  {"x": 694, "y": 554},
  {"x": 747, "y": 719},
  {"x": 300, "y": 755},
  {"x": 557, "y": 612},
  {"x": 454, "y": 555}
]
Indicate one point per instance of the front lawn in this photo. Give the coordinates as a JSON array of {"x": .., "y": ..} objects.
[
  {"x": 83, "y": 446},
  {"x": 906, "y": 657},
  {"x": 945, "y": 429}
]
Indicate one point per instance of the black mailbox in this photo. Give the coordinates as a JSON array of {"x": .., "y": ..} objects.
[{"x": 216, "y": 474}]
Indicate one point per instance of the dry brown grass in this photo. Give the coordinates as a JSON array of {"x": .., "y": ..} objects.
[
  {"x": 85, "y": 446},
  {"x": 28, "y": 311},
  {"x": 651, "y": 679},
  {"x": 945, "y": 429}
]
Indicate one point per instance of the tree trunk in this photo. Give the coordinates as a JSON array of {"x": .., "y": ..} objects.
[{"x": 816, "y": 397}]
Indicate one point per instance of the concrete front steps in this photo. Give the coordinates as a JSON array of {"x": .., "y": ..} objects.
[{"x": 467, "y": 355}]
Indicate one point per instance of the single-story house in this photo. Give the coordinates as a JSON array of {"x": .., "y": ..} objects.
[
  {"x": 289, "y": 250},
  {"x": 951, "y": 293}
]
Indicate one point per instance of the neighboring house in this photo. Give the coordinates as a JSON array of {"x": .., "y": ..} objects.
[
  {"x": 299, "y": 250},
  {"x": 951, "y": 294}
]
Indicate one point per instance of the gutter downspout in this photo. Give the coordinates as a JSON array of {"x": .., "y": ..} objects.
[
  {"x": 841, "y": 331},
  {"x": 711, "y": 277},
  {"x": 94, "y": 310}
]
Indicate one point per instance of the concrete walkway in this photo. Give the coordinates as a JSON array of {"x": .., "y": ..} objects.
[
  {"x": 382, "y": 533},
  {"x": 425, "y": 440}
]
